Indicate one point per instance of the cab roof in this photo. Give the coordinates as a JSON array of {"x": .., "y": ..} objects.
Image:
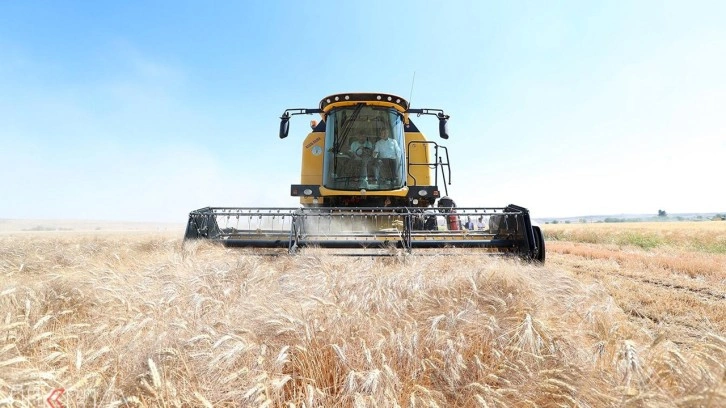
[{"x": 351, "y": 98}]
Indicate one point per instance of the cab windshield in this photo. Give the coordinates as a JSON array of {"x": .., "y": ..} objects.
[{"x": 364, "y": 149}]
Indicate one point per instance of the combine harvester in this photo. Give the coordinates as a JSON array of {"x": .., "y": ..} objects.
[{"x": 369, "y": 179}]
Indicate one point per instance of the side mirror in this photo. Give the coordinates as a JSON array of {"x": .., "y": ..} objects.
[
  {"x": 284, "y": 125},
  {"x": 443, "y": 127}
]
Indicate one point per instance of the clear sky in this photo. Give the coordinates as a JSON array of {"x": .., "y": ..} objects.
[{"x": 131, "y": 110}]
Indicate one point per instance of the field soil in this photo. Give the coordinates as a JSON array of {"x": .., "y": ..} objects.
[{"x": 119, "y": 315}]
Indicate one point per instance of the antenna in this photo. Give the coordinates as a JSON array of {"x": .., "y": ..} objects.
[{"x": 410, "y": 96}]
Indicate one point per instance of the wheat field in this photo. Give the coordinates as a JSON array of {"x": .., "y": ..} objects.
[{"x": 135, "y": 319}]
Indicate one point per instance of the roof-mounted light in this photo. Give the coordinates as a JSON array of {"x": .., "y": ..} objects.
[{"x": 399, "y": 102}]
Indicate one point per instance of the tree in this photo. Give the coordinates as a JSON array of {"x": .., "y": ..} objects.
[{"x": 662, "y": 213}]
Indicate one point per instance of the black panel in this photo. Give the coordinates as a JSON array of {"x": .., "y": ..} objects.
[
  {"x": 320, "y": 127},
  {"x": 297, "y": 190},
  {"x": 411, "y": 127}
]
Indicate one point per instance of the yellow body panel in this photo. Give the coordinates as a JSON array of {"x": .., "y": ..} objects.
[
  {"x": 311, "y": 171},
  {"x": 400, "y": 192},
  {"x": 417, "y": 155}
]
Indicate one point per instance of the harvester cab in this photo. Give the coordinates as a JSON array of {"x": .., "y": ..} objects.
[{"x": 370, "y": 179}]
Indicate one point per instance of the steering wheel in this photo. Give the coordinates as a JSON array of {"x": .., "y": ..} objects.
[{"x": 364, "y": 152}]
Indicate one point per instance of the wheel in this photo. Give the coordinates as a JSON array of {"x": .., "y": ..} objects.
[{"x": 539, "y": 240}]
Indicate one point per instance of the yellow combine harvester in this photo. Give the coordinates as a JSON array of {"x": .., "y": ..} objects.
[{"x": 369, "y": 179}]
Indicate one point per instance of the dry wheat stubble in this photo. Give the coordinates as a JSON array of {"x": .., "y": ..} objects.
[{"x": 137, "y": 320}]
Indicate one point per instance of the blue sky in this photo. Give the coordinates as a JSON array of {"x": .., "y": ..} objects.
[{"x": 147, "y": 110}]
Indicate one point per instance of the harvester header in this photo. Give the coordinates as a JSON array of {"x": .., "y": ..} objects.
[{"x": 369, "y": 178}]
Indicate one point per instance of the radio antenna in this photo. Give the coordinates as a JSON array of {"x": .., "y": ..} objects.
[{"x": 410, "y": 96}]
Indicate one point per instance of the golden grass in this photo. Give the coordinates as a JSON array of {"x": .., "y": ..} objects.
[
  {"x": 704, "y": 236},
  {"x": 132, "y": 320},
  {"x": 677, "y": 287}
]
